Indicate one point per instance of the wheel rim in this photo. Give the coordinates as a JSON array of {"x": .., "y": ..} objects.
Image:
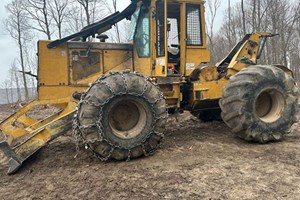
[
  {"x": 269, "y": 105},
  {"x": 127, "y": 119}
]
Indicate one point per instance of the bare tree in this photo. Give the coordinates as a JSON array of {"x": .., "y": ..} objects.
[
  {"x": 244, "y": 18},
  {"x": 86, "y": 6},
  {"x": 11, "y": 86},
  {"x": 38, "y": 13},
  {"x": 5, "y": 86},
  {"x": 15, "y": 77},
  {"x": 116, "y": 26},
  {"x": 118, "y": 33},
  {"x": 75, "y": 20},
  {"x": 92, "y": 9},
  {"x": 80, "y": 13},
  {"x": 213, "y": 7},
  {"x": 17, "y": 26},
  {"x": 15, "y": 81},
  {"x": 254, "y": 15},
  {"x": 229, "y": 21},
  {"x": 31, "y": 66},
  {"x": 59, "y": 13}
]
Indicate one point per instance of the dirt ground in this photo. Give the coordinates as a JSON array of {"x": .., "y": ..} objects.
[{"x": 196, "y": 161}]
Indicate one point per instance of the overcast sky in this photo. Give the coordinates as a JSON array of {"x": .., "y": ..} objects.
[{"x": 8, "y": 48}]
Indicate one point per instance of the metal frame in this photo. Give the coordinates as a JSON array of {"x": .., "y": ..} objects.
[{"x": 21, "y": 143}]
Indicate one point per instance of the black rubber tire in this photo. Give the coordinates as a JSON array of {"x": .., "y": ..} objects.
[
  {"x": 208, "y": 115},
  {"x": 240, "y": 103},
  {"x": 108, "y": 92}
]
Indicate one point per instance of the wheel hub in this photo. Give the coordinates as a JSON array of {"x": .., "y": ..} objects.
[
  {"x": 127, "y": 119},
  {"x": 269, "y": 105}
]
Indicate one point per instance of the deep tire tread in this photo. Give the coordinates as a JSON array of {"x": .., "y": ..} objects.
[
  {"x": 238, "y": 94},
  {"x": 118, "y": 84}
]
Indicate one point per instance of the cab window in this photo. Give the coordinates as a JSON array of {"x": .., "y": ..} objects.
[
  {"x": 194, "y": 36},
  {"x": 142, "y": 34}
]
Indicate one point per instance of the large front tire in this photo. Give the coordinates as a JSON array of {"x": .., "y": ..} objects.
[
  {"x": 121, "y": 116},
  {"x": 260, "y": 103}
]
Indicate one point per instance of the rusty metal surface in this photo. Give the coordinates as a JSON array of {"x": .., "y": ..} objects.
[{"x": 84, "y": 66}]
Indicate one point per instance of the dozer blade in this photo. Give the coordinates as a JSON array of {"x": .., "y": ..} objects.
[
  {"x": 39, "y": 135},
  {"x": 14, "y": 162}
]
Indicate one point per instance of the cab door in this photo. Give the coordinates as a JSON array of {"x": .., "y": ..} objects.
[
  {"x": 161, "y": 49},
  {"x": 194, "y": 49}
]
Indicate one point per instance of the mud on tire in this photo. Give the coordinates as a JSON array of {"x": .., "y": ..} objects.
[
  {"x": 121, "y": 116},
  {"x": 260, "y": 103}
]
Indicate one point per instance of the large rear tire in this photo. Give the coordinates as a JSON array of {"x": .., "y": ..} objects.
[
  {"x": 121, "y": 116},
  {"x": 260, "y": 103}
]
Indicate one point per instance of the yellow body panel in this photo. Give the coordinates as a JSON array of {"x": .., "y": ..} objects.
[
  {"x": 209, "y": 90},
  {"x": 172, "y": 94},
  {"x": 56, "y": 76},
  {"x": 55, "y": 92},
  {"x": 117, "y": 60},
  {"x": 142, "y": 65},
  {"x": 206, "y": 94},
  {"x": 195, "y": 57},
  {"x": 52, "y": 64}
]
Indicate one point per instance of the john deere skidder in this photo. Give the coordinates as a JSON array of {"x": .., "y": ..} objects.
[{"x": 116, "y": 96}]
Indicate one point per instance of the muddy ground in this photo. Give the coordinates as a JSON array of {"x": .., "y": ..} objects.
[{"x": 196, "y": 161}]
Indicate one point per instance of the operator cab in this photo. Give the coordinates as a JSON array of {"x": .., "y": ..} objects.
[{"x": 171, "y": 34}]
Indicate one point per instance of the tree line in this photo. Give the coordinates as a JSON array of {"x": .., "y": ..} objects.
[
  {"x": 275, "y": 16},
  {"x": 30, "y": 20}
]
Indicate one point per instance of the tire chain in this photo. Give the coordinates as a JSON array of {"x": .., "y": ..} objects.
[{"x": 77, "y": 128}]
